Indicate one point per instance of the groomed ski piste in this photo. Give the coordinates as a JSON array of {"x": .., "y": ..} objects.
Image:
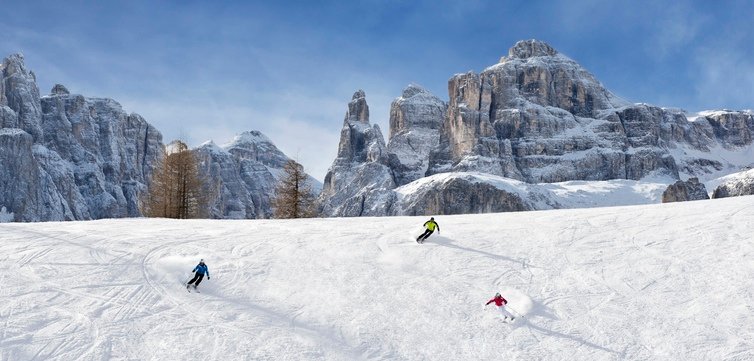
[{"x": 655, "y": 282}]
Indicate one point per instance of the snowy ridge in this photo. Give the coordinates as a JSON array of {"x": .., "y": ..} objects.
[
  {"x": 743, "y": 181},
  {"x": 571, "y": 194},
  {"x": 658, "y": 282},
  {"x": 249, "y": 137}
]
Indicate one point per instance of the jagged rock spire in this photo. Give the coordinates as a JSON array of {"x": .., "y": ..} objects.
[
  {"x": 358, "y": 182},
  {"x": 358, "y": 110},
  {"x": 18, "y": 91}
]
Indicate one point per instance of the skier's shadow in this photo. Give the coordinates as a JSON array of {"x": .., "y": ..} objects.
[
  {"x": 543, "y": 311},
  {"x": 446, "y": 242}
]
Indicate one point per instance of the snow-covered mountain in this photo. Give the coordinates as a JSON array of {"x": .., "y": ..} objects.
[
  {"x": 652, "y": 282},
  {"x": 537, "y": 117},
  {"x": 534, "y": 122},
  {"x": 70, "y": 157},
  {"x": 243, "y": 175},
  {"x": 65, "y": 156}
]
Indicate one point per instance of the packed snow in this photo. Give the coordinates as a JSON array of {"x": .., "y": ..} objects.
[{"x": 661, "y": 282}]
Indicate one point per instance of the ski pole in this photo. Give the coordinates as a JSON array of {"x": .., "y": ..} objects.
[{"x": 514, "y": 310}]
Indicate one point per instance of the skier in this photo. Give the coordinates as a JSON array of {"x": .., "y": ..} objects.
[
  {"x": 199, "y": 270},
  {"x": 430, "y": 225},
  {"x": 500, "y": 302}
]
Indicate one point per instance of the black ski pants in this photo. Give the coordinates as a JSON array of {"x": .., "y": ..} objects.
[
  {"x": 197, "y": 277},
  {"x": 426, "y": 234}
]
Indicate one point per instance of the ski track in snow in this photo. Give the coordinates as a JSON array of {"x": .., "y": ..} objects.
[{"x": 670, "y": 282}]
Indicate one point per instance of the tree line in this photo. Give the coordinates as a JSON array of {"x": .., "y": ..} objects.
[{"x": 178, "y": 189}]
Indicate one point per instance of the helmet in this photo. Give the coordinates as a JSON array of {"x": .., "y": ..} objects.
[
  {"x": 497, "y": 294},
  {"x": 431, "y": 218},
  {"x": 201, "y": 260}
]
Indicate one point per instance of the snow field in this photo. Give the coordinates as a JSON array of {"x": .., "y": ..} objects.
[{"x": 670, "y": 282}]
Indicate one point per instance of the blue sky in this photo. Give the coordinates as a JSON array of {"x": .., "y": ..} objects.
[{"x": 201, "y": 70}]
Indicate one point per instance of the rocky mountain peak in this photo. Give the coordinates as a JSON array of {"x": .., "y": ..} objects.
[
  {"x": 531, "y": 48},
  {"x": 358, "y": 110},
  {"x": 253, "y": 145},
  {"x": 359, "y": 94},
  {"x": 250, "y": 137},
  {"x": 19, "y": 92},
  {"x": 412, "y": 90},
  {"x": 59, "y": 89},
  {"x": 416, "y": 107},
  {"x": 13, "y": 63},
  {"x": 415, "y": 121}
]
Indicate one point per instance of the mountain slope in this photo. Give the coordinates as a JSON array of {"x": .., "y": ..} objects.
[{"x": 670, "y": 282}]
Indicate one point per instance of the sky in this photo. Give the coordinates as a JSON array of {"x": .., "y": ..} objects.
[{"x": 208, "y": 70}]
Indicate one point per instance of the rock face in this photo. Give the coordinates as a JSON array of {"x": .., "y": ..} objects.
[
  {"x": 360, "y": 181},
  {"x": 536, "y": 117},
  {"x": 680, "y": 191},
  {"x": 67, "y": 157},
  {"x": 244, "y": 175},
  {"x": 459, "y": 195},
  {"x": 415, "y": 121},
  {"x": 741, "y": 184},
  {"x": 19, "y": 92}
]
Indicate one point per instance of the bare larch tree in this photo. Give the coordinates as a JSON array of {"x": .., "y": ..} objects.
[
  {"x": 293, "y": 195},
  {"x": 176, "y": 187}
]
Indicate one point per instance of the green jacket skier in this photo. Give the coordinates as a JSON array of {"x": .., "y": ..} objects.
[{"x": 430, "y": 226}]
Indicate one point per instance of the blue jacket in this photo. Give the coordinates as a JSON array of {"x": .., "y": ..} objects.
[{"x": 201, "y": 269}]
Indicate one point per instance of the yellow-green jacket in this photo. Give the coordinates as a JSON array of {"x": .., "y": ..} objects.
[{"x": 431, "y": 225}]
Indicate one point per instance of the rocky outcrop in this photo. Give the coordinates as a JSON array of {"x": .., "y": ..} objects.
[
  {"x": 243, "y": 175},
  {"x": 360, "y": 181},
  {"x": 460, "y": 195},
  {"x": 69, "y": 157},
  {"x": 415, "y": 121},
  {"x": 681, "y": 191},
  {"x": 741, "y": 184},
  {"x": 59, "y": 89}
]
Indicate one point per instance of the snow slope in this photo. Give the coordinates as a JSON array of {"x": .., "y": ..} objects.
[{"x": 663, "y": 282}]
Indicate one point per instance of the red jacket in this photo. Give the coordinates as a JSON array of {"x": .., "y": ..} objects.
[{"x": 499, "y": 301}]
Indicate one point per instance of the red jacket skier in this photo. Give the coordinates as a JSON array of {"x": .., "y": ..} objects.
[{"x": 499, "y": 300}]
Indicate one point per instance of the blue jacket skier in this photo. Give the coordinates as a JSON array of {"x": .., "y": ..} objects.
[{"x": 199, "y": 272}]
